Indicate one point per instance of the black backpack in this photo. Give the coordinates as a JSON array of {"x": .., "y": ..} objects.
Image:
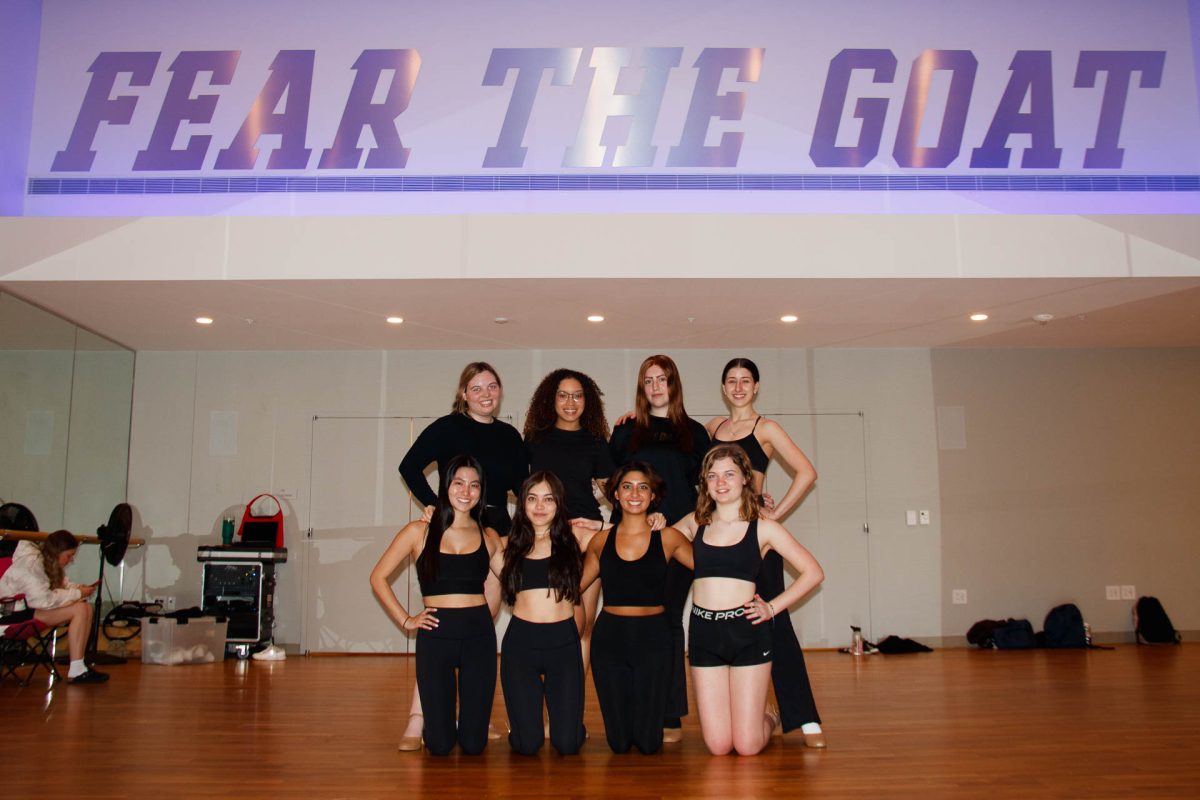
[
  {"x": 1014, "y": 634},
  {"x": 1064, "y": 627},
  {"x": 1151, "y": 625}
]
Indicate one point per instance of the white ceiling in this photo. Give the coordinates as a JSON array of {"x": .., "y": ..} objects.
[
  {"x": 640, "y": 313},
  {"x": 661, "y": 281}
]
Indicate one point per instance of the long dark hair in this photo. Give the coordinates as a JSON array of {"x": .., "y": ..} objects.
[
  {"x": 676, "y": 413},
  {"x": 443, "y": 516},
  {"x": 55, "y": 545},
  {"x": 541, "y": 416},
  {"x": 566, "y": 563}
]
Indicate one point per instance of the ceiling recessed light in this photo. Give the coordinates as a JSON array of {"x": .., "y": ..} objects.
[
  {"x": 1043, "y": 318},
  {"x": 978, "y": 317},
  {"x": 204, "y": 320},
  {"x": 788, "y": 318},
  {"x": 395, "y": 320},
  {"x": 501, "y": 320},
  {"x": 595, "y": 318}
]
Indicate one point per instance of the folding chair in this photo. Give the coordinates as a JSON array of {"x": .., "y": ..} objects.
[{"x": 25, "y": 641}]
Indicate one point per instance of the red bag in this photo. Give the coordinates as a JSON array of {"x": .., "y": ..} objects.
[{"x": 260, "y": 527}]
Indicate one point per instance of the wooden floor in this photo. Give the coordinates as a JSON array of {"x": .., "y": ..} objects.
[{"x": 954, "y": 723}]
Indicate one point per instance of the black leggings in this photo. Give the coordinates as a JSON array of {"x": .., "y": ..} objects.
[
  {"x": 541, "y": 661},
  {"x": 631, "y": 667},
  {"x": 464, "y": 642},
  {"x": 788, "y": 673}
]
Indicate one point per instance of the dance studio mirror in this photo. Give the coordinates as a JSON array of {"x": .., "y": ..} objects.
[{"x": 65, "y": 401}]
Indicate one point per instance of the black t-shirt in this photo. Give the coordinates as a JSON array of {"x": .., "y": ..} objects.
[
  {"x": 679, "y": 470},
  {"x": 576, "y": 457},
  {"x": 497, "y": 445}
]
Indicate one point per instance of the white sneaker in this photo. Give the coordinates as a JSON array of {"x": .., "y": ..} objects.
[{"x": 272, "y": 653}]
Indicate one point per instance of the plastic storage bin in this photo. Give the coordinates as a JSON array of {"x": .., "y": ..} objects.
[{"x": 186, "y": 641}]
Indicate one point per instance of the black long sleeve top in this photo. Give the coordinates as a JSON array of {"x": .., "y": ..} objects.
[{"x": 497, "y": 445}]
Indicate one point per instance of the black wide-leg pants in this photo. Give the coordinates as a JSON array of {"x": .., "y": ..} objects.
[{"x": 788, "y": 673}]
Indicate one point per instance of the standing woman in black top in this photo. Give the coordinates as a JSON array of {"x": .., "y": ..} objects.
[
  {"x": 566, "y": 433},
  {"x": 632, "y": 667},
  {"x": 471, "y": 429},
  {"x": 540, "y": 659},
  {"x": 662, "y": 435},
  {"x": 456, "y": 639},
  {"x": 762, "y": 438}
]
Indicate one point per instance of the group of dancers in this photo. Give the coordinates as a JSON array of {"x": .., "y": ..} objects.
[{"x": 688, "y": 514}]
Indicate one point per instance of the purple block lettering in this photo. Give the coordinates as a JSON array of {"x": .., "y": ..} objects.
[
  {"x": 707, "y": 103},
  {"x": 530, "y": 64},
  {"x": 179, "y": 107},
  {"x": 99, "y": 106},
  {"x": 962, "y": 66},
  {"x": 360, "y": 112},
  {"x": 1032, "y": 76},
  {"x": 291, "y": 72},
  {"x": 1120, "y": 66},
  {"x": 824, "y": 150}
]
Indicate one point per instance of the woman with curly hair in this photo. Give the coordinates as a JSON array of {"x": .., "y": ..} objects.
[
  {"x": 37, "y": 572},
  {"x": 540, "y": 658},
  {"x": 566, "y": 434}
]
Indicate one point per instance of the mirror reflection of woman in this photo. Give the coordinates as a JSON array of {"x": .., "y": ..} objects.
[
  {"x": 456, "y": 639},
  {"x": 540, "y": 659},
  {"x": 566, "y": 433},
  {"x": 763, "y": 438},
  {"x": 661, "y": 434},
  {"x": 632, "y": 657},
  {"x": 729, "y": 633}
]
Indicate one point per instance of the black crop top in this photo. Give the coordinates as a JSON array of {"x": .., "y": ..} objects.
[
  {"x": 758, "y": 457},
  {"x": 641, "y": 582},
  {"x": 458, "y": 573},
  {"x": 741, "y": 560},
  {"x": 535, "y": 573}
]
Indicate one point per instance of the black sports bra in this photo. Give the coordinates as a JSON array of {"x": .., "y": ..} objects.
[
  {"x": 641, "y": 582},
  {"x": 535, "y": 573},
  {"x": 750, "y": 443},
  {"x": 741, "y": 560},
  {"x": 458, "y": 573}
]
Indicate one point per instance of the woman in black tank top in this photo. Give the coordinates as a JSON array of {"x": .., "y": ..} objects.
[
  {"x": 540, "y": 660},
  {"x": 729, "y": 651},
  {"x": 761, "y": 438},
  {"x": 632, "y": 653},
  {"x": 456, "y": 640}
]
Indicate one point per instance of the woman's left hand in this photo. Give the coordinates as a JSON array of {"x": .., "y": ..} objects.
[{"x": 758, "y": 610}]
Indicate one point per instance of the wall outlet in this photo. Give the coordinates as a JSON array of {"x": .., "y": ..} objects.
[
  {"x": 1128, "y": 593},
  {"x": 1112, "y": 592},
  {"x": 959, "y": 597},
  {"x": 910, "y": 517},
  {"x": 168, "y": 603},
  {"x": 923, "y": 515}
]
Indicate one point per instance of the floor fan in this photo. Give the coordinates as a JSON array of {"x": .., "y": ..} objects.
[{"x": 114, "y": 541}]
